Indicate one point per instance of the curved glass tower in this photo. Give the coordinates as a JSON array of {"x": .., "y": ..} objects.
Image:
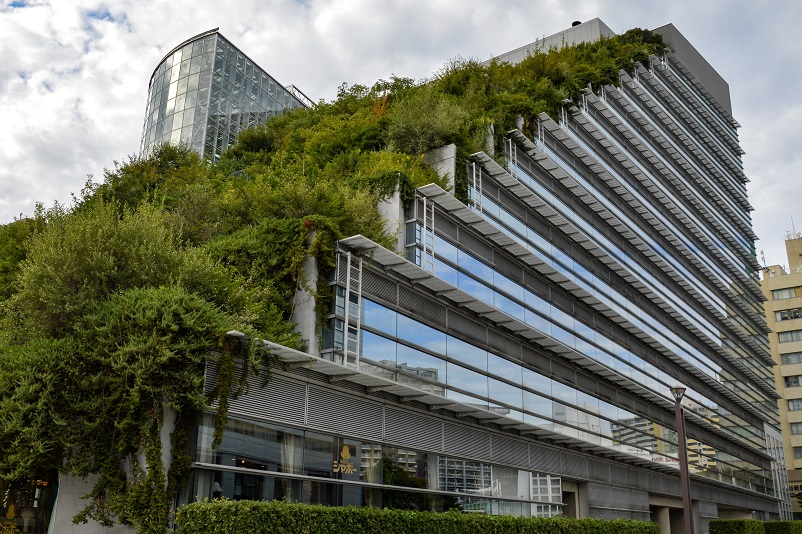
[{"x": 206, "y": 91}]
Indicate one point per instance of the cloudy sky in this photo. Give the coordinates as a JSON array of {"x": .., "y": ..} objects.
[{"x": 74, "y": 73}]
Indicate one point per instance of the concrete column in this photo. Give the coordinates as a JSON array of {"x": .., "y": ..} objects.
[
  {"x": 69, "y": 502},
  {"x": 490, "y": 140},
  {"x": 661, "y": 516},
  {"x": 392, "y": 212},
  {"x": 582, "y": 500},
  {"x": 304, "y": 315},
  {"x": 444, "y": 161}
]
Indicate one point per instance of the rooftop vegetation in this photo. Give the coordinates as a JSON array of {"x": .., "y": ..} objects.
[{"x": 110, "y": 307}]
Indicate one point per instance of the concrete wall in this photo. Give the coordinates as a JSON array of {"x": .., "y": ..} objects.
[
  {"x": 583, "y": 33},
  {"x": 697, "y": 64},
  {"x": 392, "y": 212},
  {"x": 69, "y": 497},
  {"x": 69, "y": 502}
]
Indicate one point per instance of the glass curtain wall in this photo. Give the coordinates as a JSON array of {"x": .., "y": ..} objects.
[
  {"x": 205, "y": 92},
  {"x": 261, "y": 461},
  {"x": 399, "y": 348}
]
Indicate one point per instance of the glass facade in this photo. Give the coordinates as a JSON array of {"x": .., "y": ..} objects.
[
  {"x": 26, "y": 505},
  {"x": 400, "y": 348},
  {"x": 261, "y": 461},
  {"x": 205, "y": 92}
]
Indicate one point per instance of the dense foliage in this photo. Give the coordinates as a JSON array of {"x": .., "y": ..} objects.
[
  {"x": 782, "y": 527},
  {"x": 737, "y": 526},
  {"x": 109, "y": 308},
  {"x": 276, "y": 517}
]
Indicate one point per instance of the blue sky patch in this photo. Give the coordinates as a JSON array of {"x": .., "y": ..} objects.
[
  {"x": 17, "y": 3},
  {"x": 101, "y": 14}
]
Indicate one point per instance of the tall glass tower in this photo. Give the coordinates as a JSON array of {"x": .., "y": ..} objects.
[{"x": 206, "y": 91}]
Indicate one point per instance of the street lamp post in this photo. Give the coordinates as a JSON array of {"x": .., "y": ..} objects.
[{"x": 684, "y": 474}]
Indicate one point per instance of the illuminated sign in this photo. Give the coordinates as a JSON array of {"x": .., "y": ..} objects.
[{"x": 343, "y": 465}]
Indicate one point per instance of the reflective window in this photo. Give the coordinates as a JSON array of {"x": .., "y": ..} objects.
[
  {"x": 421, "y": 334},
  {"x": 473, "y": 485},
  {"x": 513, "y": 390},
  {"x": 789, "y": 336},
  {"x": 786, "y": 293},
  {"x": 379, "y": 317},
  {"x": 466, "y": 353},
  {"x": 467, "y": 380},
  {"x": 791, "y": 358},
  {"x": 419, "y": 363}
]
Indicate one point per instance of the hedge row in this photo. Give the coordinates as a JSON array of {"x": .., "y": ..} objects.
[
  {"x": 783, "y": 527},
  {"x": 276, "y": 517},
  {"x": 753, "y": 526}
]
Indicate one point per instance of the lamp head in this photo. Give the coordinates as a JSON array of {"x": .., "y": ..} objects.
[{"x": 678, "y": 392}]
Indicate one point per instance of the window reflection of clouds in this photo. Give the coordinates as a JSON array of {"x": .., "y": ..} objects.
[
  {"x": 505, "y": 393},
  {"x": 569, "y": 264},
  {"x": 447, "y": 251},
  {"x": 563, "y": 392},
  {"x": 532, "y": 319},
  {"x": 534, "y": 420},
  {"x": 508, "y": 306},
  {"x": 503, "y": 283},
  {"x": 477, "y": 384},
  {"x": 505, "y": 368},
  {"x": 465, "y": 352},
  {"x": 537, "y": 322},
  {"x": 536, "y": 381},
  {"x": 420, "y": 334},
  {"x": 587, "y": 402},
  {"x": 446, "y": 272},
  {"x": 537, "y": 404},
  {"x": 465, "y": 399},
  {"x": 514, "y": 309},
  {"x": 465, "y": 379},
  {"x": 474, "y": 288},
  {"x": 378, "y": 348},
  {"x": 474, "y": 266},
  {"x": 379, "y": 317}
]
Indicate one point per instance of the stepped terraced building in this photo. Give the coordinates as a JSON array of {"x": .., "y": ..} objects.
[{"x": 514, "y": 356}]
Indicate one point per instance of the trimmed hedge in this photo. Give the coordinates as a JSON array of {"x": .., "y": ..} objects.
[
  {"x": 737, "y": 526},
  {"x": 783, "y": 527},
  {"x": 277, "y": 517}
]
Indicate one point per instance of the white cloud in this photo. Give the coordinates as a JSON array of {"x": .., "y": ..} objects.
[{"x": 74, "y": 75}]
